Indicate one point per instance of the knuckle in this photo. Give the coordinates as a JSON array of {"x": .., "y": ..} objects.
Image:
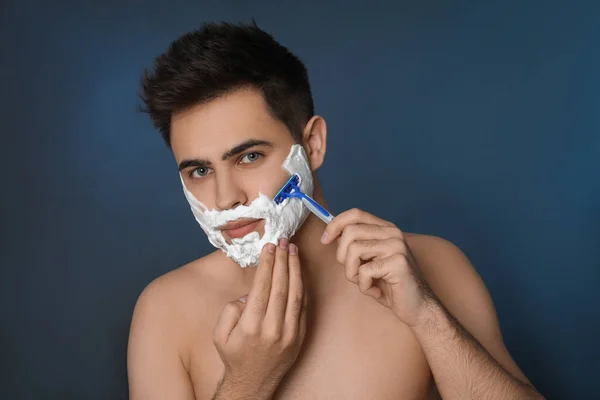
[
  {"x": 249, "y": 330},
  {"x": 401, "y": 257},
  {"x": 396, "y": 232},
  {"x": 297, "y": 304},
  {"x": 370, "y": 243},
  {"x": 371, "y": 228},
  {"x": 257, "y": 307},
  {"x": 280, "y": 297},
  {"x": 272, "y": 334},
  {"x": 352, "y": 249},
  {"x": 399, "y": 244},
  {"x": 377, "y": 265},
  {"x": 289, "y": 338},
  {"x": 350, "y": 230},
  {"x": 401, "y": 260}
]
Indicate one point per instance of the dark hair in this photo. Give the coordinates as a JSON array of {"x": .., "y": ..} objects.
[{"x": 219, "y": 58}]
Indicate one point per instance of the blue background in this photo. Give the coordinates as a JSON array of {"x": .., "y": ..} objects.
[{"x": 475, "y": 122}]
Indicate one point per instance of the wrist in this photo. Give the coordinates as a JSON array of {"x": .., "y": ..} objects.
[
  {"x": 436, "y": 327},
  {"x": 234, "y": 387},
  {"x": 433, "y": 317}
]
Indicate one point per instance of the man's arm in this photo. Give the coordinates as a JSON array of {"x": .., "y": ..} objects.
[
  {"x": 463, "y": 368},
  {"x": 461, "y": 336},
  {"x": 155, "y": 370},
  {"x": 418, "y": 278}
]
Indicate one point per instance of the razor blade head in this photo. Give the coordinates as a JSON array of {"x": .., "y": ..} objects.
[{"x": 290, "y": 186}]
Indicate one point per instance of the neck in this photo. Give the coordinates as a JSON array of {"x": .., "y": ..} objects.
[{"x": 314, "y": 256}]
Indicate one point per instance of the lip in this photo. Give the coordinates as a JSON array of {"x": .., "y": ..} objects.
[{"x": 240, "y": 228}]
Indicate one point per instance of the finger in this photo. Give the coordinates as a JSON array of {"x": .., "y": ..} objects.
[
  {"x": 374, "y": 292},
  {"x": 365, "y": 250},
  {"x": 353, "y": 216},
  {"x": 258, "y": 298},
  {"x": 296, "y": 296},
  {"x": 376, "y": 269},
  {"x": 227, "y": 321},
  {"x": 303, "y": 318},
  {"x": 279, "y": 286},
  {"x": 392, "y": 269},
  {"x": 364, "y": 232}
]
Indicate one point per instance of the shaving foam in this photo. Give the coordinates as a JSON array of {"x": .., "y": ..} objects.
[{"x": 281, "y": 220}]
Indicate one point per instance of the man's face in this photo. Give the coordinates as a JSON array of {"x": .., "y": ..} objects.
[{"x": 228, "y": 151}]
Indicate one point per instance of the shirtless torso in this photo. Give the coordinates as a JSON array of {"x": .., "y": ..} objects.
[{"x": 354, "y": 347}]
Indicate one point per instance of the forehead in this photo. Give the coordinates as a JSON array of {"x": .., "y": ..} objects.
[{"x": 212, "y": 128}]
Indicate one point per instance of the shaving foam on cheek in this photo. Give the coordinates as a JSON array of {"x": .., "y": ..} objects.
[{"x": 281, "y": 220}]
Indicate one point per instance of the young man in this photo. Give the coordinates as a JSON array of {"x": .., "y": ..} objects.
[{"x": 356, "y": 309}]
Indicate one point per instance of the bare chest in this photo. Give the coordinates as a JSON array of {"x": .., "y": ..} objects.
[{"x": 349, "y": 353}]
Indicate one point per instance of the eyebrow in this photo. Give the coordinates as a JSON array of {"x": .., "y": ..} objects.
[{"x": 240, "y": 148}]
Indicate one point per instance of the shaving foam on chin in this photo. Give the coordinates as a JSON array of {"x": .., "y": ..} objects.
[{"x": 281, "y": 220}]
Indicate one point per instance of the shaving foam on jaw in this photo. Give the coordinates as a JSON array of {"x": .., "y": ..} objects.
[{"x": 281, "y": 220}]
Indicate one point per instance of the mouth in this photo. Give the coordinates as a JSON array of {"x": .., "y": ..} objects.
[{"x": 240, "y": 228}]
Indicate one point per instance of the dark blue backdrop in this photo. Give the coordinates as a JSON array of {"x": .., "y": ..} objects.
[{"x": 478, "y": 123}]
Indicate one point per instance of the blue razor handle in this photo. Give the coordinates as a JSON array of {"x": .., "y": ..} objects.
[{"x": 316, "y": 209}]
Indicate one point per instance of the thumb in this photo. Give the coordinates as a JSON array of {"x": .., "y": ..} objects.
[
  {"x": 228, "y": 320},
  {"x": 367, "y": 273}
]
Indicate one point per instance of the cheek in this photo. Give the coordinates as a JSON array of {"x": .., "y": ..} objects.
[
  {"x": 270, "y": 179},
  {"x": 204, "y": 193}
]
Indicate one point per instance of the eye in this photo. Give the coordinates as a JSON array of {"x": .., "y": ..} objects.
[
  {"x": 200, "y": 172},
  {"x": 250, "y": 158}
]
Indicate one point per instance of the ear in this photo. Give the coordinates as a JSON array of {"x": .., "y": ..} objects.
[{"x": 314, "y": 139}]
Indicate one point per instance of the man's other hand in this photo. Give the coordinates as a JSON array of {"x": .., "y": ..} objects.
[
  {"x": 377, "y": 258},
  {"x": 259, "y": 338}
]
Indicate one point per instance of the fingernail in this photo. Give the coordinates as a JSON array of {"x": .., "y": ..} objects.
[
  {"x": 324, "y": 237},
  {"x": 293, "y": 249},
  {"x": 271, "y": 248},
  {"x": 283, "y": 243},
  {"x": 244, "y": 298}
]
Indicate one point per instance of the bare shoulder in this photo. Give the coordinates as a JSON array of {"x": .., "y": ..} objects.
[
  {"x": 177, "y": 285},
  {"x": 434, "y": 250},
  {"x": 452, "y": 277},
  {"x": 163, "y": 320},
  {"x": 170, "y": 303},
  {"x": 172, "y": 294},
  {"x": 455, "y": 281},
  {"x": 443, "y": 263}
]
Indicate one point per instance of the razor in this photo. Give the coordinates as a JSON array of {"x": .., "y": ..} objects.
[{"x": 291, "y": 190}]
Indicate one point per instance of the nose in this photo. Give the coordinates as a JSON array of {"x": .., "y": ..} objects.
[{"x": 229, "y": 193}]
